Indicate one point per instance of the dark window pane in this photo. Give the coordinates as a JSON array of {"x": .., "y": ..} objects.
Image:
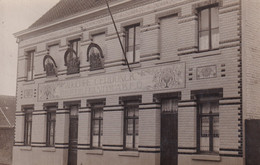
[
  {"x": 53, "y": 116},
  {"x": 204, "y": 20},
  {"x": 205, "y": 126},
  {"x": 130, "y": 39},
  {"x": 74, "y": 46},
  {"x": 136, "y": 112},
  {"x": 216, "y": 126},
  {"x": 209, "y": 31},
  {"x": 101, "y": 127},
  {"x": 51, "y": 119},
  {"x": 74, "y": 110},
  {"x": 29, "y": 133},
  {"x": 132, "y": 43},
  {"x": 136, "y": 126},
  {"x": 95, "y": 127},
  {"x": 137, "y": 38},
  {"x": 169, "y": 105},
  {"x": 209, "y": 123},
  {"x": 28, "y": 127},
  {"x": 204, "y": 40},
  {"x": 205, "y": 107},
  {"x": 214, "y": 107},
  {"x": 130, "y": 126},
  {"x": 97, "y": 124},
  {"x": 215, "y": 38},
  {"x": 30, "y": 60},
  {"x": 98, "y": 113},
  {"x": 130, "y": 112},
  {"x": 214, "y": 18}
]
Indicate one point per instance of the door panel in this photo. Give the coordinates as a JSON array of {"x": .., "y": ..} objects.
[
  {"x": 169, "y": 139},
  {"x": 252, "y": 136},
  {"x": 73, "y": 136}
]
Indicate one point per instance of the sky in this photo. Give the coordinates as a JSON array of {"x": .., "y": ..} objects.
[{"x": 15, "y": 15}]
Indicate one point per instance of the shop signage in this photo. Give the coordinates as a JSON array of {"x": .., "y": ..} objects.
[{"x": 148, "y": 79}]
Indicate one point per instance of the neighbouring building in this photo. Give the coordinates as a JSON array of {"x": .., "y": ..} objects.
[
  {"x": 7, "y": 119},
  {"x": 194, "y": 81}
]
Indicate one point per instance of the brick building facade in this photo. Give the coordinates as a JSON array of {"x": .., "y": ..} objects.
[{"x": 192, "y": 83}]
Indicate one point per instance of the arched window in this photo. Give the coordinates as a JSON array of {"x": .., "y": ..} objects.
[
  {"x": 95, "y": 57},
  {"x": 49, "y": 66},
  {"x": 71, "y": 61}
]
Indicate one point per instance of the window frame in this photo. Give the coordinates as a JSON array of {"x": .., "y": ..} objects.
[
  {"x": 210, "y": 29},
  {"x": 126, "y": 30},
  {"x": 51, "y": 110},
  {"x": 102, "y": 49},
  {"x": 94, "y": 107},
  {"x": 28, "y": 125},
  {"x": 30, "y": 65},
  {"x": 71, "y": 45},
  {"x": 211, "y": 117},
  {"x": 73, "y": 67},
  {"x": 127, "y": 104}
]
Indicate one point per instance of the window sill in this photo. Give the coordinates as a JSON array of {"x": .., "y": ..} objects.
[
  {"x": 51, "y": 78},
  {"x": 207, "y": 53},
  {"x": 95, "y": 152},
  {"x": 49, "y": 149},
  {"x": 28, "y": 82},
  {"x": 26, "y": 148},
  {"x": 98, "y": 71},
  {"x": 129, "y": 153},
  {"x": 71, "y": 76},
  {"x": 131, "y": 65},
  {"x": 215, "y": 158},
  {"x": 207, "y": 50},
  {"x": 168, "y": 60}
]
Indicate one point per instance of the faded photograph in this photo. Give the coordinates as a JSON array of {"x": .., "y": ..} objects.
[{"x": 123, "y": 82}]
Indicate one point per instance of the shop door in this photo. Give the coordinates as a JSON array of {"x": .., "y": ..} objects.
[
  {"x": 169, "y": 139},
  {"x": 73, "y": 135},
  {"x": 252, "y": 137}
]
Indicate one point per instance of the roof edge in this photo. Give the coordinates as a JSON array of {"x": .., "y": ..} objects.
[{"x": 31, "y": 30}]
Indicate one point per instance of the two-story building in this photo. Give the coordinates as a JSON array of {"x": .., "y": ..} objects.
[{"x": 193, "y": 80}]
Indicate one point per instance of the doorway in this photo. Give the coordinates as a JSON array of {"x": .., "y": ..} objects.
[
  {"x": 169, "y": 132},
  {"x": 252, "y": 142},
  {"x": 73, "y": 135}
]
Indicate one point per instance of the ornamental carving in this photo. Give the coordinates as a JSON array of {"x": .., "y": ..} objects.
[
  {"x": 170, "y": 77},
  {"x": 28, "y": 93},
  {"x": 71, "y": 61},
  {"x": 95, "y": 57},
  {"x": 207, "y": 72},
  {"x": 49, "y": 66}
]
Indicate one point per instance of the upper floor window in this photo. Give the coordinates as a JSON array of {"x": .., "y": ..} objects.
[
  {"x": 28, "y": 126},
  {"x": 132, "y": 43},
  {"x": 131, "y": 124},
  {"x": 49, "y": 64},
  {"x": 100, "y": 39},
  {"x": 96, "y": 125},
  {"x": 74, "y": 44},
  {"x": 209, "y": 28},
  {"x": 96, "y": 52},
  {"x": 168, "y": 37},
  {"x": 71, "y": 57},
  {"x": 209, "y": 125},
  {"x": 51, "y": 120},
  {"x": 30, "y": 64}
]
